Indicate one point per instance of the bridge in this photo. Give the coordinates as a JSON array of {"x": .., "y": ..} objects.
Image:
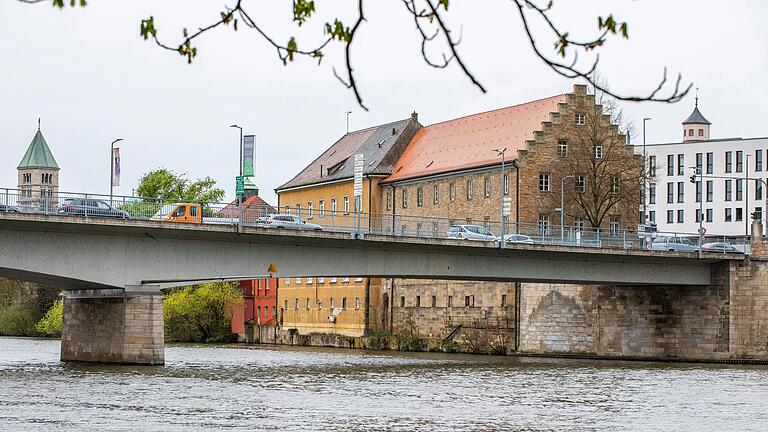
[{"x": 114, "y": 269}]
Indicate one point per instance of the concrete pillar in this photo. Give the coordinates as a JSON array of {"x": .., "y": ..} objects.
[{"x": 107, "y": 326}]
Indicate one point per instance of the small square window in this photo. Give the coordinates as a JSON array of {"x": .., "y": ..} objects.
[{"x": 580, "y": 119}]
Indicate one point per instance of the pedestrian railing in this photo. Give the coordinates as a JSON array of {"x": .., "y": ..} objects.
[{"x": 492, "y": 233}]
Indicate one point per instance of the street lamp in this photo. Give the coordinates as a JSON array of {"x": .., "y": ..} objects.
[
  {"x": 562, "y": 205},
  {"x": 501, "y": 153},
  {"x": 112, "y": 167},
  {"x": 643, "y": 190}
]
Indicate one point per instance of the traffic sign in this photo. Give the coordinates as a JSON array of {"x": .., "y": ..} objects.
[
  {"x": 702, "y": 231},
  {"x": 506, "y": 206},
  {"x": 239, "y": 185},
  {"x": 359, "y": 163}
]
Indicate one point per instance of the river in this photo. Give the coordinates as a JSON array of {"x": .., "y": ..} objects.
[{"x": 253, "y": 388}]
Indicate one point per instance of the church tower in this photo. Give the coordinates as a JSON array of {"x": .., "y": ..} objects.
[
  {"x": 38, "y": 176},
  {"x": 696, "y": 127}
]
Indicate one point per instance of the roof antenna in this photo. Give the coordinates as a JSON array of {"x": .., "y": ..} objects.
[{"x": 348, "y": 113}]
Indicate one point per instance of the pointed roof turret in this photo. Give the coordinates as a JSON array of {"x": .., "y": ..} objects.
[
  {"x": 696, "y": 117},
  {"x": 38, "y": 154}
]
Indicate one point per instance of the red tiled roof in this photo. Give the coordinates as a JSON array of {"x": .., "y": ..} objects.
[
  {"x": 253, "y": 205},
  {"x": 468, "y": 142}
]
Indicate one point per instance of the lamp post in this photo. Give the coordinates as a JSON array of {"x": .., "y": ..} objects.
[
  {"x": 562, "y": 205},
  {"x": 643, "y": 190},
  {"x": 501, "y": 153},
  {"x": 112, "y": 167}
]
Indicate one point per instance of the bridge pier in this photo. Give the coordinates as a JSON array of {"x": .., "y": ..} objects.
[{"x": 111, "y": 326}]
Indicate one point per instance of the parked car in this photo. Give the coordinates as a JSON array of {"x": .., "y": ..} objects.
[
  {"x": 678, "y": 244},
  {"x": 8, "y": 208},
  {"x": 289, "y": 222},
  {"x": 90, "y": 207},
  {"x": 518, "y": 238},
  {"x": 719, "y": 247},
  {"x": 471, "y": 232}
]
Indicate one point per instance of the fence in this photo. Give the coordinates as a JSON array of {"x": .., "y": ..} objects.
[{"x": 494, "y": 233}]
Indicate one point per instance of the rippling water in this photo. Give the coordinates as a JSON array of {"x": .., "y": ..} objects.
[{"x": 286, "y": 389}]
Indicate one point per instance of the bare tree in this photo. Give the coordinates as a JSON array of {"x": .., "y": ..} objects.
[
  {"x": 607, "y": 173},
  {"x": 572, "y": 58}
]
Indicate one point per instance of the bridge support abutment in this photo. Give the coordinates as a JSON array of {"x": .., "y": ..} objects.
[{"x": 110, "y": 326}]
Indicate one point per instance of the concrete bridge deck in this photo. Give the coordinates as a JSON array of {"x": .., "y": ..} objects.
[{"x": 78, "y": 253}]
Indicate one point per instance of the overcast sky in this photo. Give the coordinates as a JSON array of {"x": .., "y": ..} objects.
[{"x": 91, "y": 78}]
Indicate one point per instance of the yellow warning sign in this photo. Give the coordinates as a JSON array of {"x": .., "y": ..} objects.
[{"x": 272, "y": 269}]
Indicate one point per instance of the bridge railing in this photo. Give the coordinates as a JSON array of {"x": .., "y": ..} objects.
[{"x": 336, "y": 220}]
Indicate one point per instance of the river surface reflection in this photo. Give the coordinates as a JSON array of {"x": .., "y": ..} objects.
[{"x": 282, "y": 388}]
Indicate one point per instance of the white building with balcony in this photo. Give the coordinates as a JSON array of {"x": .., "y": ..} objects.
[{"x": 732, "y": 187}]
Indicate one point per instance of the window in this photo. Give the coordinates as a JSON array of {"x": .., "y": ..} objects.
[
  {"x": 739, "y": 214},
  {"x": 680, "y": 192},
  {"x": 357, "y": 302},
  {"x": 505, "y": 180},
  {"x": 503, "y": 300},
  {"x": 652, "y": 193},
  {"x": 298, "y": 210},
  {"x": 405, "y": 198},
  {"x": 580, "y": 119},
  {"x": 287, "y": 209},
  {"x": 690, "y": 132},
  {"x": 699, "y": 162},
  {"x": 434, "y": 301},
  {"x": 580, "y": 184},
  {"x": 698, "y": 215},
  {"x": 652, "y": 216},
  {"x": 698, "y": 191},
  {"x": 310, "y": 280},
  {"x": 436, "y": 194},
  {"x": 309, "y": 209},
  {"x": 739, "y": 161},
  {"x": 419, "y": 197},
  {"x": 345, "y": 280},
  {"x": 758, "y": 213},
  {"x": 728, "y": 190},
  {"x": 728, "y": 161},
  {"x": 418, "y": 301},
  {"x": 543, "y": 224},
  {"x": 330, "y": 303},
  {"x": 670, "y": 193},
  {"x": 296, "y": 303},
  {"x": 402, "y": 301},
  {"x": 739, "y": 190},
  {"x": 652, "y": 166},
  {"x": 487, "y": 222},
  {"x": 319, "y": 304},
  {"x": 333, "y": 206},
  {"x": 487, "y": 187},
  {"x": 287, "y": 282},
  {"x": 680, "y": 216},
  {"x": 333, "y": 280},
  {"x": 758, "y": 190},
  {"x": 435, "y": 227},
  {"x": 614, "y": 225},
  {"x": 701, "y": 132},
  {"x": 346, "y": 204},
  {"x": 579, "y": 223},
  {"x": 758, "y": 160},
  {"x": 418, "y": 229},
  {"x": 670, "y": 165},
  {"x": 469, "y": 189},
  {"x": 710, "y": 190},
  {"x": 709, "y": 215},
  {"x": 450, "y": 301},
  {"x": 343, "y": 302},
  {"x": 389, "y": 200},
  {"x": 670, "y": 216},
  {"x": 286, "y": 304},
  {"x": 358, "y": 279},
  {"x": 320, "y": 280},
  {"x": 452, "y": 192},
  {"x": 728, "y": 213},
  {"x": 598, "y": 151},
  {"x": 710, "y": 162},
  {"x": 309, "y": 303},
  {"x": 543, "y": 182},
  {"x": 322, "y": 208},
  {"x": 615, "y": 184},
  {"x": 298, "y": 280},
  {"x": 562, "y": 148},
  {"x": 681, "y": 164}
]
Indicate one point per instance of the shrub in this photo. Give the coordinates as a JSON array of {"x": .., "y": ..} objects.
[
  {"x": 50, "y": 324},
  {"x": 201, "y": 313}
]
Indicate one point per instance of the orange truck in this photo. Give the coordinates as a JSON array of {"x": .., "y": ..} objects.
[{"x": 188, "y": 213}]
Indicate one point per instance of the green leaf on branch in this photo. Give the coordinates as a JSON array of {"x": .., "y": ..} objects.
[
  {"x": 302, "y": 10},
  {"x": 338, "y": 31},
  {"x": 60, "y": 3},
  {"x": 291, "y": 48},
  {"x": 148, "y": 28}
]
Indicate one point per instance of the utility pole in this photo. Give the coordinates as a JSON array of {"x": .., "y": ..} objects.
[{"x": 111, "y": 167}]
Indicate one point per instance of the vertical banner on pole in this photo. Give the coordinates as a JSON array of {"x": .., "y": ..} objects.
[
  {"x": 249, "y": 143},
  {"x": 116, "y": 166}
]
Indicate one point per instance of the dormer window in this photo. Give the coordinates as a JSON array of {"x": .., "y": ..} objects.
[{"x": 336, "y": 168}]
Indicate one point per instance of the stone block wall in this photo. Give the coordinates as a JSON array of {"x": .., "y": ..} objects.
[{"x": 114, "y": 330}]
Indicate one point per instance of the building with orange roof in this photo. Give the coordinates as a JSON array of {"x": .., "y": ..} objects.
[{"x": 451, "y": 174}]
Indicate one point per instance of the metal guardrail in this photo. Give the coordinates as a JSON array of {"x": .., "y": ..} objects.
[{"x": 140, "y": 208}]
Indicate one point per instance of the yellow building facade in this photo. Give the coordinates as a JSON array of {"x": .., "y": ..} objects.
[{"x": 323, "y": 193}]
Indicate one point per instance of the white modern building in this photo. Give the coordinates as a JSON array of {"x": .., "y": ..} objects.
[{"x": 732, "y": 187}]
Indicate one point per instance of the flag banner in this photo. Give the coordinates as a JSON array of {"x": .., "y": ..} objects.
[
  {"x": 248, "y": 150},
  {"x": 116, "y": 166}
]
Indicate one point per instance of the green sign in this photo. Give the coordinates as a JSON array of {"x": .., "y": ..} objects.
[
  {"x": 248, "y": 152},
  {"x": 239, "y": 185}
]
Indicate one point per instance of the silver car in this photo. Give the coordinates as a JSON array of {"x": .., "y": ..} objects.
[
  {"x": 518, "y": 238},
  {"x": 471, "y": 232},
  {"x": 289, "y": 222},
  {"x": 677, "y": 244}
]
